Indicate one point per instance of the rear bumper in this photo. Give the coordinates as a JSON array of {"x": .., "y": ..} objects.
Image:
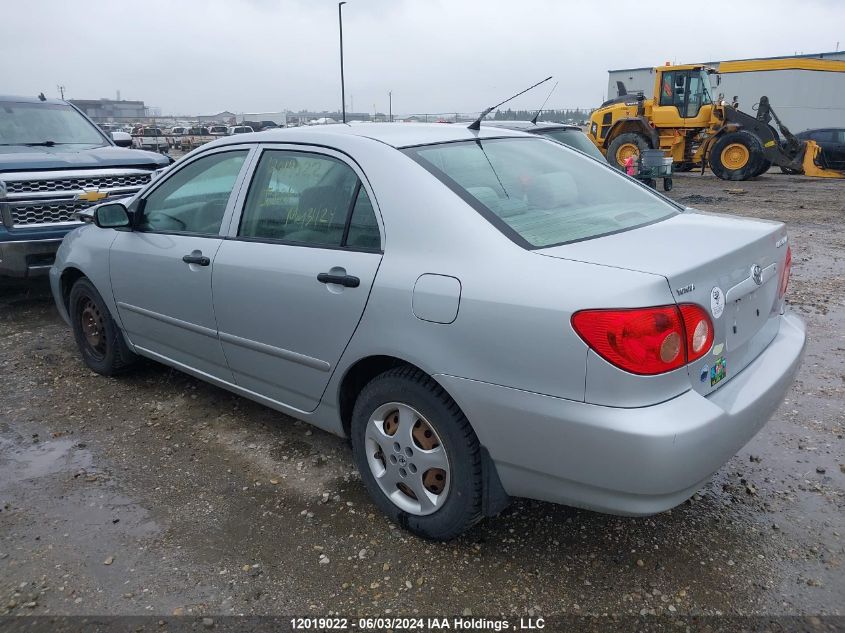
[
  {"x": 27, "y": 258},
  {"x": 626, "y": 461}
]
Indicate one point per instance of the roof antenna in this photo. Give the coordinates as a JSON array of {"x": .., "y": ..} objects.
[
  {"x": 534, "y": 120},
  {"x": 476, "y": 125}
]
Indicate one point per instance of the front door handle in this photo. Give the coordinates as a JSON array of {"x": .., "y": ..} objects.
[
  {"x": 348, "y": 281},
  {"x": 196, "y": 258}
]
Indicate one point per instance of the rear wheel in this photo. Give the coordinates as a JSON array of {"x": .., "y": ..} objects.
[
  {"x": 737, "y": 156},
  {"x": 417, "y": 454},
  {"x": 97, "y": 336},
  {"x": 625, "y": 145}
]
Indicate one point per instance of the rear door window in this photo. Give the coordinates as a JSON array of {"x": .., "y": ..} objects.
[{"x": 309, "y": 199}]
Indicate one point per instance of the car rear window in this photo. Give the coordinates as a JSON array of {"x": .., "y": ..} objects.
[
  {"x": 540, "y": 193},
  {"x": 576, "y": 139}
]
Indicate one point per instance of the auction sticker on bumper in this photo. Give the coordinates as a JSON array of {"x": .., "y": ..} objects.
[{"x": 718, "y": 371}]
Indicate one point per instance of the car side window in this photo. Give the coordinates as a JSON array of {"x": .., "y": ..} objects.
[
  {"x": 299, "y": 197},
  {"x": 363, "y": 227},
  {"x": 194, "y": 199}
]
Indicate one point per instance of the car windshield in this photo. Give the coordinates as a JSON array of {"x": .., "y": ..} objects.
[
  {"x": 576, "y": 139},
  {"x": 540, "y": 193},
  {"x": 45, "y": 124}
]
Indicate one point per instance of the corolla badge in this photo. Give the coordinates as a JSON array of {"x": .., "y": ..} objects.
[{"x": 757, "y": 274}]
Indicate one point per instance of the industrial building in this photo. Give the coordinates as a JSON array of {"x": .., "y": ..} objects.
[
  {"x": 111, "y": 109},
  {"x": 803, "y": 98}
]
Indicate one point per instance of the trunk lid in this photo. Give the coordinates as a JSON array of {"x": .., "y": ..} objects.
[{"x": 711, "y": 260}]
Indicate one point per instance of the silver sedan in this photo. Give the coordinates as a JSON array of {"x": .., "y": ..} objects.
[{"x": 485, "y": 314}]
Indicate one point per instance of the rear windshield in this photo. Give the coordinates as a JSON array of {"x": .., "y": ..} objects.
[
  {"x": 576, "y": 139},
  {"x": 540, "y": 193}
]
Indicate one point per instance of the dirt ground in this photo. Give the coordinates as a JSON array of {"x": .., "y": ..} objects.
[{"x": 154, "y": 493}]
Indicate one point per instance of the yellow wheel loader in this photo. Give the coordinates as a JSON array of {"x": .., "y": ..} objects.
[{"x": 683, "y": 120}]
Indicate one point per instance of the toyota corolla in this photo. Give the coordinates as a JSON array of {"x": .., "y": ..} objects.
[{"x": 485, "y": 314}]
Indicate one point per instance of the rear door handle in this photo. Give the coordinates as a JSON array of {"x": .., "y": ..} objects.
[
  {"x": 196, "y": 258},
  {"x": 347, "y": 281}
]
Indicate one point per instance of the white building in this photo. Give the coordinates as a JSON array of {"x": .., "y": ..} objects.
[{"x": 803, "y": 99}]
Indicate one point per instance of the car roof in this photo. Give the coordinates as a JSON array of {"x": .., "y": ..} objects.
[
  {"x": 396, "y": 135},
  {"x": 14, "y": 99},
  {"x": 528, "y": 126}
]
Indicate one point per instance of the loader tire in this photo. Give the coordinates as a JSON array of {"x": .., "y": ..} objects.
[
  {"x": 765, "y": 165},
  {"x": 626, "y": 145},
  {"x": 737, "y": 156}
]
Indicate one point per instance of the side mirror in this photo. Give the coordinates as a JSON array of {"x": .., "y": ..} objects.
[
  {"x": 122, "y": 139},
  {"x": 112, "y": 215}
]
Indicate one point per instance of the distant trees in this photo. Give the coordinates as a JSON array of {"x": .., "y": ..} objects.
[{"x": 546, "y": 115}]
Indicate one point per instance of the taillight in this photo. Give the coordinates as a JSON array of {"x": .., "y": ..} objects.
[
  {"x": 784, "y": 275},
  {"x": 699, "y": 330},
  {"x": 646, "y": 341}
]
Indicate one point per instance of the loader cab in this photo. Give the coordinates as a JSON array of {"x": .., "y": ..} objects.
[{"x": 682, "y": 97}]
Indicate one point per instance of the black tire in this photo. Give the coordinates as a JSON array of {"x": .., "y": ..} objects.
[
  {"x": 765, "y": 165},
  {"x": 752, "y": 165},
  {"x": 791, "y": 172},
  {"x": 651, "y": 182},
  {"x": 110, "y": 354},
  {"x": 667, "y": 184},
  {"x": 629, "y": 138},
  {"x": 463, "y": 505}
]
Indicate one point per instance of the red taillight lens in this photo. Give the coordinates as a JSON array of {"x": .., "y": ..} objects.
[
  {"x": 699, "y": 330},
  {"x": 646, "y": 341},
  {"x": 641, "y": 341},
  {"x": 784, "y": 275}
]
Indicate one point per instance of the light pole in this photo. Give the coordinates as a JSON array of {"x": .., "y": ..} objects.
[
  {"x": 390, "y": 106},
  {"x": 342, "y": 87}
]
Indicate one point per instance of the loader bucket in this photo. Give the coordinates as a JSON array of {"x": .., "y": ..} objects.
[{"x": 811, "y": 164}]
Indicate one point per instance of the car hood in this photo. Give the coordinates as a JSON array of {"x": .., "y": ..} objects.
[{"x": 23, "y": 158}]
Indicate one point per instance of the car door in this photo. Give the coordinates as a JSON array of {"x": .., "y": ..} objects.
[
  {"x": 291, "y": 282},
  {"x": 161, "y": 270}
]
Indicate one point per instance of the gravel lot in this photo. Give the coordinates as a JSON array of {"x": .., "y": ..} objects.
[{"x": 155, "y": 493}]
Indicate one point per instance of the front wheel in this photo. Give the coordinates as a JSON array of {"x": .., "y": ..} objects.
[
  {"x": 737, "y": 156},
  {"x": 417, "y": 454},
  {"x": 97, "y": 336}
]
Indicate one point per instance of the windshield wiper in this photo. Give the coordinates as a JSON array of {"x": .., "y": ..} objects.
[{"x": 40, "y": 144}]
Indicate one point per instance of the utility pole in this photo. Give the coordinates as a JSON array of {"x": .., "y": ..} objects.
[
  {"x": 390, "y": 106},
  {"x": 342, "y": 87},
  {"x": 61, "y": 91}
]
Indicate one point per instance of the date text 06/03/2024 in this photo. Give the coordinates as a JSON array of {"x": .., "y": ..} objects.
[{"x": 419, "y": 624}]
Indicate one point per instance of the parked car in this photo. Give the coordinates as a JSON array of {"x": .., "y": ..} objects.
[
  {"x": 55, "y": 162},
  {"x": 570, "y": 135},
  {"x": 239, "y": 129},
  {"x": 218, "y": 130},
  {"x": 485, "y": 314},
  {"x": 151, "y": 138},
  {"x": 194, "y": 137},
  {"x": 832, "y": 142}
]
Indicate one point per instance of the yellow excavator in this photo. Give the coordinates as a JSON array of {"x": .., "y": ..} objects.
[{"x": 685, "y": 122}]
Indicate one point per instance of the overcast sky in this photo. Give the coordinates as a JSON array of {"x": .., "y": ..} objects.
[{"x": 203, "y": 56}]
